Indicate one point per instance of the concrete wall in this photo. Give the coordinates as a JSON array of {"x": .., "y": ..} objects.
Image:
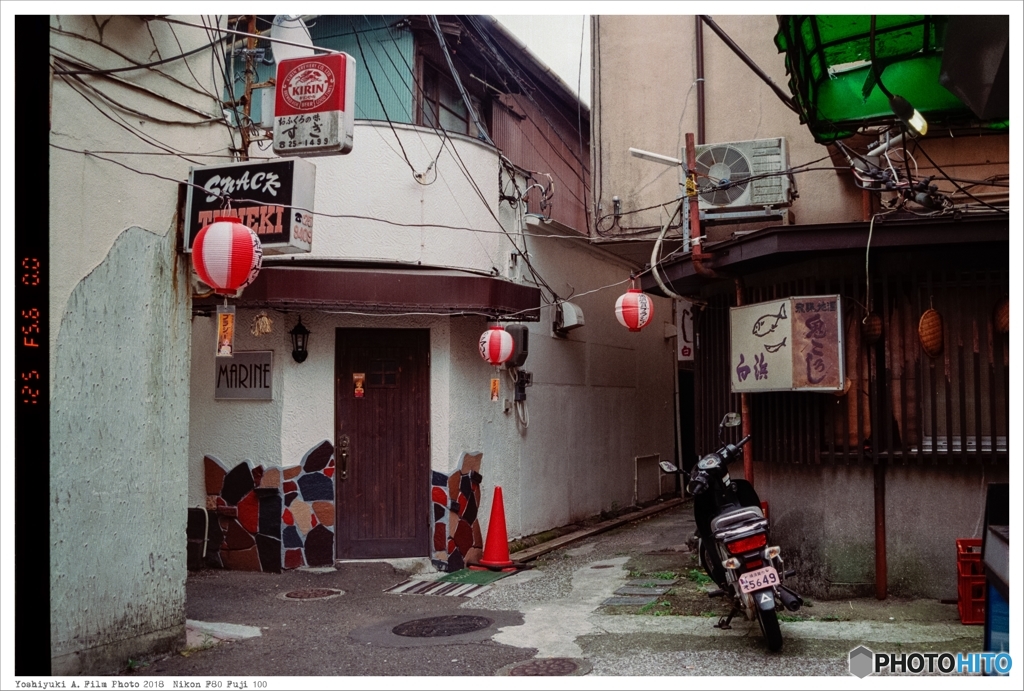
[
  {"x": 926, "y": 509},
  {"x": 120, "y": 340}
]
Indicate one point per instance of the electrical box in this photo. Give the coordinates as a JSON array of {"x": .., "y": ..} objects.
[{"x": 520, "y": 344}]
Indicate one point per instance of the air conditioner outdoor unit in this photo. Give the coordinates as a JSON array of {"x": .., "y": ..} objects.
[{"x": 733, "y": 176}]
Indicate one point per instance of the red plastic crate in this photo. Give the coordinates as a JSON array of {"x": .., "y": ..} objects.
[{"x": 971, "y": 584}]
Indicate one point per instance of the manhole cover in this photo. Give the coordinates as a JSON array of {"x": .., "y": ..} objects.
[
  {"x": 311, "y": 594},
  {"x": 432, "y": 627},
  {"x": 547, "y": 667}
]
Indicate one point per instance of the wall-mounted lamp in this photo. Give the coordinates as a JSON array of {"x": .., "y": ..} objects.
[{"x": 300, "y": 341}]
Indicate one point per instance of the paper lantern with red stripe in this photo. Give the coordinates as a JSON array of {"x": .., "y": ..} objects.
[
  {"x": 227, "y": 255},
  {"x": 496, "y": 345},
  {"x": 634, "y": 310}
]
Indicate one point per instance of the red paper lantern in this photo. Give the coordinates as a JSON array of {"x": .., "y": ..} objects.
[
  {"x": 496, "y": 345},
  {"x": 227, "y": 255},
  {"x": 634, "y": 309}
]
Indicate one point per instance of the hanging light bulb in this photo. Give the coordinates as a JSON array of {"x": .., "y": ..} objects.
[{"x": 910, "y": 116}]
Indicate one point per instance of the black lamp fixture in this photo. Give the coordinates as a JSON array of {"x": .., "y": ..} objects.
[
  {"x": 300, "y": 340},
  {"x": 908, "y": 115}
]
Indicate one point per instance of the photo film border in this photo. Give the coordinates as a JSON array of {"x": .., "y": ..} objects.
[{"x": 31, "y": 376}]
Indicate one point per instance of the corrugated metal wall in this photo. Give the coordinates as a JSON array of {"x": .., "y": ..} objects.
[
  {"x": 537, "y": 141},
  {"x": 902, "y": 405}
]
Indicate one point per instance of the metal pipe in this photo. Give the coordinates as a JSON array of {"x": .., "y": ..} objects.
[
  {"x": 699, "y": 38},
  {"x": 749, "y": 62},
  {"x": 697, "y": 255},
  {"x": 748, "y": 450},
  {"x": 881, "y": 567}
]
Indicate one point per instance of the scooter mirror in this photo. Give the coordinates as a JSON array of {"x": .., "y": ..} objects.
[
  {"x": 731, "y": 420},
  {"x": 668, "y": 467}
]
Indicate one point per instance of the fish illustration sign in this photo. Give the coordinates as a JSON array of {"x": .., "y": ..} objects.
[{"x": 791, "y": 344}]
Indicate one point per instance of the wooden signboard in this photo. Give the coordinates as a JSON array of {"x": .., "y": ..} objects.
[{"x": 790, "y": 344}]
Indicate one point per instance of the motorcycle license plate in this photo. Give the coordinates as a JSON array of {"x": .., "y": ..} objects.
[{"x": 756, "y": 580}]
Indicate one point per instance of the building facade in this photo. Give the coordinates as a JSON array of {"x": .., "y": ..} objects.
[
  {"x": 452, "y": 213},
  {"x": 868, "y": 486}
]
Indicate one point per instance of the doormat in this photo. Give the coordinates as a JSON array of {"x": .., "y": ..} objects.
[
  {"x": 414, "y": 586},
  {"x": 473, "y": 576}
]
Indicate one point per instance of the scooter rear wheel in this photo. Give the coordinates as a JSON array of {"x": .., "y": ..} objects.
[{"x": 770, "y": 628}]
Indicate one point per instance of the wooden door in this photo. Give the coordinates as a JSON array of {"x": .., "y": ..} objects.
[{"x": 382, "y": 449}]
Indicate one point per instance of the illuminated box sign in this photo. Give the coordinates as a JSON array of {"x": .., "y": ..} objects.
[
  {"x": 792, "y": 344},
  {"x": 314, "y": 108},
  {"x": 274, "y": 198},
  {"x": 246, "y": 375}
]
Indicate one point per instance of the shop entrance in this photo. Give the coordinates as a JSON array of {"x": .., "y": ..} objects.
[{"x": 382, "y": 442}]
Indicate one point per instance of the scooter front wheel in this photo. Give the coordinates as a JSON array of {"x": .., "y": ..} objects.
[{"x": 769, "y": 622}]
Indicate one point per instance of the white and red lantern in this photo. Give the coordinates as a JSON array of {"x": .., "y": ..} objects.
[
  {"x": 634, "y": 310},
  {"x": 496, "y": 345},
  {"x": 227, "y": 255}
]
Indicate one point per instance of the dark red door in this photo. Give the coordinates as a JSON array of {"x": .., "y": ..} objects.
[{"x": 382, "y": 426}]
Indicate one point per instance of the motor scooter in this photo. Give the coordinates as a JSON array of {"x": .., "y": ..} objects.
[{"x": 733, "y": 540}]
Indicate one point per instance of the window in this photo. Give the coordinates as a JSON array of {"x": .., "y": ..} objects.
[{"x": 441, "y": 104}]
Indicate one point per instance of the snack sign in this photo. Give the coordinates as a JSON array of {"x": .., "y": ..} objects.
[{"x": 314, "y": 111}]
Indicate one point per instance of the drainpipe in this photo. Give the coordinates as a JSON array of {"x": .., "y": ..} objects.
[
  {"x": 699, "y": 38},
  {"x": 748, "y": 449},
  {"x": 697, "y": 255}
]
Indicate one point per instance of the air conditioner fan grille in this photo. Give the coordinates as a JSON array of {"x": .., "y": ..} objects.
[{"x": 722, "y": 174}]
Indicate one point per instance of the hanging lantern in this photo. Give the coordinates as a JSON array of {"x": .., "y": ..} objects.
[
  {"x": 929, "y": 332},
  {"x": 496, "y": 345},
  {"x": 227, "y": 255},
  {"x": 634, "y": 309},
  {"x": 871, "y": 328},
  {"x": 1002, "y": 316}
]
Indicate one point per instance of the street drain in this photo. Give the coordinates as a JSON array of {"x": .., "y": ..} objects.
[
  {"x": 311, "y": 594},
  {"x": 433, "y": 627},
  {"x": 602, "y": 566}
]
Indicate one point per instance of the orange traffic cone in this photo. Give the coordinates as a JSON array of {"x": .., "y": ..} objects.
[{"x": 496, "y": 548}]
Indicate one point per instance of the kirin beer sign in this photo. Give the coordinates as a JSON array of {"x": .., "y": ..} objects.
[{"x": 314, "y": 111}]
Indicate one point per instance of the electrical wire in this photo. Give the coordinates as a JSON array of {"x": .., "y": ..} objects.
[
  {"x": 955, "y": 184},
  {"x": 148, "y": 65}
]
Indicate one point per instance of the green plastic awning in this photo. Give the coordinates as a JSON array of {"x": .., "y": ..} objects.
[{"x": 828, "y": 58}]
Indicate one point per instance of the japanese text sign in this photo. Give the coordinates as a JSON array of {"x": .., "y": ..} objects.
[
  {"x": 790, "y": 344},
  {"x": 314, "y": 110},
  {"x": 684, "y": 331}
]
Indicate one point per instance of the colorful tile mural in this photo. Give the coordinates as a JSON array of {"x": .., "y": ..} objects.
[
  {"x": 457, "y": 540},
  {"x": 266, "y": 519}
]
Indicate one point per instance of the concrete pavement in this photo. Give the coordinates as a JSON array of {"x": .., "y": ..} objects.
[{"x": 552, "y": 616}]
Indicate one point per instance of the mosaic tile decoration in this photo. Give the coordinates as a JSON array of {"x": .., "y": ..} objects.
[
  {"x": 266, "y": 519},
  {"x": 455, "y": 501}
]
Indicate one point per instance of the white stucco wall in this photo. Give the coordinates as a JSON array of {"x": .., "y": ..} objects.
[
  {"x": 120, "y": 339},
  {"x": 377, "y": 184}
]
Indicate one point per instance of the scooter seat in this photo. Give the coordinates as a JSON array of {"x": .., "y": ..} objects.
[{"x": 735, "y": 518}]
